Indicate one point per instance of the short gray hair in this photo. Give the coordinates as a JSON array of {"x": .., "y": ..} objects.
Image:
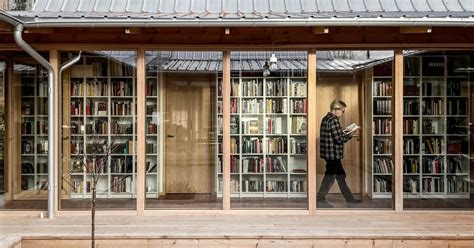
[{"x": 338, "y": 104}]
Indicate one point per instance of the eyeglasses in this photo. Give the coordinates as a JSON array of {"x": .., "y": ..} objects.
[{"x": 343, "y": 110}]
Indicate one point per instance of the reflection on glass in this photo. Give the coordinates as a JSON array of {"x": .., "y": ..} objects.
[
  {"x": 268, "y": 131},
  {"x": 367, "y": 165},
  {"x": 182, "y": 169},
  {"x": 438, "y": 174},
  {"x": 99, "y": 102}
]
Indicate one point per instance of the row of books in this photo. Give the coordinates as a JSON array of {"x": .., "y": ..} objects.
[
  {"x": 78, "y": 186},
  {"x": 432, "y": 106},
  {"x": 432, "y": 165},
  {"x": 298, "y": 106},
  {"x": 298, "y": 146},
  {"x": 382, "y": 107},
  {"x": 382, "y": 146},
  {"x": 151, "y": 108},
  {"x": 276, "y": 164},
  {"x": 432, "y": 184},
  {"x": 121, "y": 108},
  {"x": 410, "y": 185},
  {"x": 77, "y": 108},
  {"x": 456, "y": 87},
  {"x": 457, "y": 184},
  {"x": 252, "y": 88},
  {"x": 457, "y": 107},
  {"x": 382, "y": 88},
  {"x": 382, "y": 126},
  {"x": 121, "y": 184},
  {"x": 234, "y": 185},
  {"x": 276, "y": 88},
  {"x": 151, "y": 88},
  {"x": 91, "y": 88},
  {"x": 122, "y": 88},
  {"x": 411, "y": 126},
  {"x": 411, "y": 107},
  {"x": 411, "y": 165},
  {"x": 252, "y": 165},
  {"x": 434, "y": 88},
  {"x": 410, "y": 146},
  {"x": 276, "y": 106},
  {"x": 96, "y": 108},
  {"x": 431, "y": 126},
  {"x": 121, "y": 165},
  {"x": 252, "y": 145},
  {"x": 77, "y": 148},
  {"x": 117, "y": 127},
  {"x": 27, "y": 106},
  {"x": 432, "y": 145},
  {"x": 298, "y": 89},
  {"x": 277, "y": 145},
  {"x": 252, "y": 106},
  {"x": 382, "y": 184},
  {"x": 42, "y": 88},
  {"x": 276, "y": 186},
  {"x": 383, "y": 166}
]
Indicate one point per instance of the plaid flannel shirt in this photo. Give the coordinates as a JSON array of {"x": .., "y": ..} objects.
[{"x": 332, "y": 138}]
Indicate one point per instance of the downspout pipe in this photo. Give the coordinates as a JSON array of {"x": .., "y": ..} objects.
[
  {"x": 18, "y": 35},
  {"x": 69, "y": 64}
]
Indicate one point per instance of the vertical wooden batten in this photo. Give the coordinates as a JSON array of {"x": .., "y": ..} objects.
[
  {"x": 141, "y": 133},
  {"x": 54, "y": 61},
  {"x": 397, "y": 131},
  {"x": 226, "y": 131},
  {"x": 312, "y": 125}
]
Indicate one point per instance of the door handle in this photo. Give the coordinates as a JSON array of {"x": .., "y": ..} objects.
[{"x": 170, "y": 136}]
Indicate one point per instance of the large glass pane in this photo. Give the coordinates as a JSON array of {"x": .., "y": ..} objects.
[
  {"x": 354, "y": 87},
  {"x": 437, "y": 95},
  {"x": 182, "y": 169},
  {"x": 29, "y": 181},
  {"x": 99, "y": 130},
  {"x": 268, "y": 130}
]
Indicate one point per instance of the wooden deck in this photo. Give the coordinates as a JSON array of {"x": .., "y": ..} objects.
[{"x": 242, "y": 229}]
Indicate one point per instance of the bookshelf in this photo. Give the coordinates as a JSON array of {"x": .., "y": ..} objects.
[
  {"x": 34, "y": 129},
  {"x": 268, "y": 136},
  {"x": 435, "y": 129},
  {"x": 153, "y": 168},
  {"x": 103, "y": 111}
]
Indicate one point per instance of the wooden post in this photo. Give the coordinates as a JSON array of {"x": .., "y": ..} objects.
[
  {"x": 226, "y": 131},
  {"x": 312, "y": 126},
  {"x": 11, "y": 153},
  {"x": 54, "y": 61},
  {"x": 141, "y": 133},
  {"x": 397, "y": 131}
]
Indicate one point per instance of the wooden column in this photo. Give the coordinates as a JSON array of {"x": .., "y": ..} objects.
[
  {"x": 11, "y": 151},
  {"x": 312, "y": 126},
  {"x": 55, "y": 63},
  {"x": 226, "y": 131},
  {"x": 141, "y": 133},
  {"x": 66, "y": 136},
  {"x": 397, "y": 131}
]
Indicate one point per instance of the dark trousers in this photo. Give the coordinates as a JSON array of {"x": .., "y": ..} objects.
[{"x": 334, "y": 171}]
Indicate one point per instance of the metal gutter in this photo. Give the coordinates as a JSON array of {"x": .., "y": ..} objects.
[
  {"x": 265, "y": 22},
  {"x": 17, "y": 34}
]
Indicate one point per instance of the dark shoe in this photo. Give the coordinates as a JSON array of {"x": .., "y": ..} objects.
[{"x": 354, "y": 201}]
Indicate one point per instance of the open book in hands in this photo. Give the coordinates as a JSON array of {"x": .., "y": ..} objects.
[{"x": 351, "y": 128}]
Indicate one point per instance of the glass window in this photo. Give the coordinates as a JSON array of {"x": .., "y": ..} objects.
[
  {"x": 268, "y": 130},
  {"x": 359, "y": 162},
  {"x": 182, "y": 169},
  {"x": 437, "y": 125},
  {"x": 99, "y": 130}
]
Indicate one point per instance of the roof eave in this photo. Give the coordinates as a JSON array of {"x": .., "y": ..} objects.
[{"x": 307, "y": 22}]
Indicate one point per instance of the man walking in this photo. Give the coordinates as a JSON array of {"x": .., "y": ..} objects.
[{"x": 332, "y": 151}]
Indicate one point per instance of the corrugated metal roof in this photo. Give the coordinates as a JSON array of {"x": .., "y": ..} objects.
[{"x": 288, "y": 11}]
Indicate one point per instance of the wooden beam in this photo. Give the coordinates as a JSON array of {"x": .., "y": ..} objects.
[
  {"x": 226, "y": 131},
  {"x": 320, "y": 30},
  {"x": 397, "y": 131},
  {"x": 55, "y": 63},
  {"x": 5, "y": 27},
  {"x": 311, "y": 135},
  {"x": 133, "y": 30},
  {"x": 415, "y": 30},
  {"x": 39, "y": 30},
  {"x": 141, "y": 131}
]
